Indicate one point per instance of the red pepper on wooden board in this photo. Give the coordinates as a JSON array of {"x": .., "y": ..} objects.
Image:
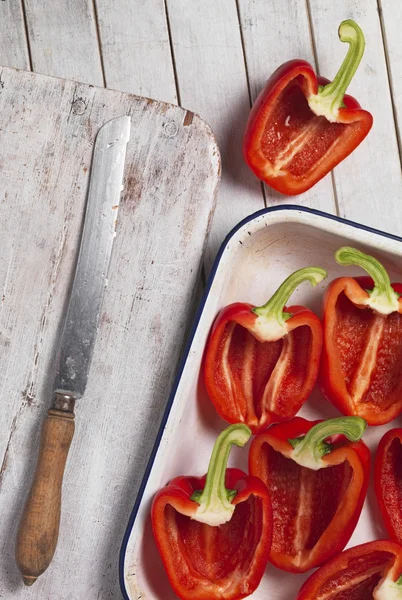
[
  {"x": 371, "y": 570},
  {"x": 214, "y": 532},
  {"x": 301, "y": 126},
  {"x": 261, "y": 363},
  {"x": 317, "y": 487},
  {"x": 388, "y": 482},
  {"x": 361, "y": 371}
]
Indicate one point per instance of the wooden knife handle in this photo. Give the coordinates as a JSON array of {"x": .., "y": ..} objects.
[{"x": 39, "y": 526}]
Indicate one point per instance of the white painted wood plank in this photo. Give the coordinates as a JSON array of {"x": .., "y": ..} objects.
[
  {"x": 368, "y": 183},
  {"x": 212, "y": 82},
  {"x": 170, "y": 180},
  {"x": 13, "y": 44},
  {"x": 135, "y": 48},
  {"x": 63, "y": 40},
  {"x": 273, "y": 33},
  {"x": 391, "y": 15}
]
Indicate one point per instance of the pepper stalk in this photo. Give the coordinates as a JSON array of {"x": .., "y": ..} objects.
[
  {"x": 329, "y": 99},
  {"x": 215, "y": 500},
  {"x": 308, "y": 450},
  {"x": 382, "y": 298},
  {"x": 270, "y": 324}
]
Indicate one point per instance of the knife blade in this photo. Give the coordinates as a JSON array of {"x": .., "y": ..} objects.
[
  {"x": 97, "y": 240},
  {"x": 39, "y": 526}
]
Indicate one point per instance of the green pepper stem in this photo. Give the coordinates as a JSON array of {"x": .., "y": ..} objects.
[
  {"x": 309, "y": 449},
  {"x": 383, "y": 297},
  {"x": 215, "y": 499},
  {"x": 349, "y": 32},
  {"x": 274, "y": 308},
  {"x": 329, "y": 98}
]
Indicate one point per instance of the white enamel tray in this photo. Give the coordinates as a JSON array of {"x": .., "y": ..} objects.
[{"x": 254, "y": 259}]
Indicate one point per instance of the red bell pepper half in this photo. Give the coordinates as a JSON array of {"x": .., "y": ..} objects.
[
  {"x": 301, "y": 126},
  {"x": 317, "y": 481},
  {"x": 214, "y": 532},
  {"x": 361, "y": 369},
  {"x": 388, "y": 482},
  {"x": 371, "y": 570},
  {"x": 261, "y": 363}
]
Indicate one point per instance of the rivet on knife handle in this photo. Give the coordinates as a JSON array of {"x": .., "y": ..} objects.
[{"x": 39, "y": 526}]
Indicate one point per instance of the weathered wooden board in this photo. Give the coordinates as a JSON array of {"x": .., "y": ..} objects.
[
  {"x": 47, "y": 129},
  {"x": 391, "y": 21},
  {"x": 13, "y": 43},
  {"x": 63, "y": 40},
  {"x": 135, "y": 48},
  {"x": 212, "y": 80}
]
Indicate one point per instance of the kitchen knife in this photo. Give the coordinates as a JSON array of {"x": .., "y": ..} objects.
[{"x": 39, "y": 525}]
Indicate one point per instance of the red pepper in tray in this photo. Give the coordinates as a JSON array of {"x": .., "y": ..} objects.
[
  {"x": 371, "y": 570},
  {"x": 317, "y": 481},
  {"x": 214, "y": 532},
  {"x": 261, "y": 363},
  {"x": 362, "y": 355},
  {"x": 301, "y": 126},
  {"x": 388, "y": 482}
]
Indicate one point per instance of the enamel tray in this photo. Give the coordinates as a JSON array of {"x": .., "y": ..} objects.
[{"x": 254, "y": 259}]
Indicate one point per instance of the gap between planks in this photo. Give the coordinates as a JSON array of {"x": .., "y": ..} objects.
[
  {"x": 98, "y": 37},
  {"x": 390, "y": 78},
  {"x": 24, "y": 14},
  {"x": 172, "y": 56},
  {"x": 248, "y": 82}
]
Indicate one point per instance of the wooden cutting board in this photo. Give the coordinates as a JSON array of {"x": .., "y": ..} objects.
[{"x": 47, "y": 131}]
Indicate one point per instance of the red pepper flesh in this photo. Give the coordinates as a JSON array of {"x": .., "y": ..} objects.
[
  {"x": 388, "y": 482},
  {"x": 261, "y": 364},
  {"x": 315, "y": 507},
  {"x": 300, "y": 127},
  {"x": 361, "y": 370},
  {"x": 224, "y": 561},
  {"x": 363, "y": 572}
]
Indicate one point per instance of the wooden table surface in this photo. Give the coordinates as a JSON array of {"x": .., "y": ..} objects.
[{"x": 211, "y": 57}]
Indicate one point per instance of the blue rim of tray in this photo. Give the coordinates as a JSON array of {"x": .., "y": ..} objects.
[{"x": 264, "y": 211}]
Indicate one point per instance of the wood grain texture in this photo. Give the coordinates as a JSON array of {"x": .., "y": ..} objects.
[
  {"x": 41, "y": 208},
  {"x": 368, "y": 183},
  {"x": 63, "y": 39},
  {"x": 212, "y": 81},
  {"x": 273, "y": 33},
  {"x": 13, "y": 43},
  {"x": 391, "y": 16},
  {"x": 47, "y": 131},
  {"x": 135, "y": 48},
  {"x": 39, "y": 525}
]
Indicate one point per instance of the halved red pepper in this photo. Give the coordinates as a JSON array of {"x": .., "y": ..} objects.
[
  {"x": 301, "y": 126},
  {"x": 361, "y": 369},
  {"x": 261, "y": 363},
  {"x": 214, "y": 532},
  {"x": 388, "y": 481},
  {"x": 371, "y": 570},
  {"x": 317, "y": 481}
]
